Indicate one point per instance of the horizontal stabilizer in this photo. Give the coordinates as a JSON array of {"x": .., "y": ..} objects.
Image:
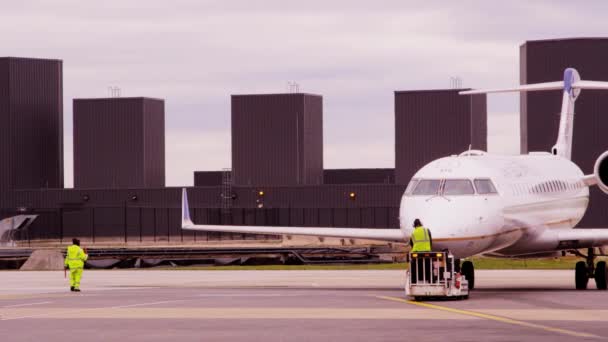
[
  {"x": 539, "y": 87},
  {"x": 590, "y": 85},
  {"x": 525, "y": 87}
]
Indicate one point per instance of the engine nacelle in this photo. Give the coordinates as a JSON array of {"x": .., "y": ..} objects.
[{"x": 600, "y": 170}]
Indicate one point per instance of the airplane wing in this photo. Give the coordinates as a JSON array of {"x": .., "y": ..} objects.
[
  {"x": 394, "y": 235},
  {"x": 584, "y": 237}
]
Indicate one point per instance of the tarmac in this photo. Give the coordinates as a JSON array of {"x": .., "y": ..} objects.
[{"x": 149, "y": 305}]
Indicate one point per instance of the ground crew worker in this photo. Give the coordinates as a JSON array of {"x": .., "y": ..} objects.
[
  {"x": 74, "y": 261},
  {"x": 421, "y": 240}
]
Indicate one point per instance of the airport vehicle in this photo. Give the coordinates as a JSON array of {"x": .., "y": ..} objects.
[
  {"x": 434, "y": 275},
  {"x": 523, "y": 206}
]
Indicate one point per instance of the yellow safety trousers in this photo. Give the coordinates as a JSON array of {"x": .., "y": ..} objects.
[{"x": 75, "y": 276}]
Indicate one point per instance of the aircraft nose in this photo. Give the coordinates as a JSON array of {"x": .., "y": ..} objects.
[{"x": 445, "y": 218}]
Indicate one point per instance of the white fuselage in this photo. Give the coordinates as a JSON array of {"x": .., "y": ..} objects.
[{"x": 534, "y": 195}]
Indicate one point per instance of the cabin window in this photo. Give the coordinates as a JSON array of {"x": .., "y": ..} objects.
[
  {"x": 458, "y": 187},
  {"x": 485, "y": 186},
  {"x": 411, "y": 186},
  {"x": 427, "y": 187}
]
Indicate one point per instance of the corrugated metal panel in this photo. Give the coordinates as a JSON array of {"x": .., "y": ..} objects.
[
  {"x": 6, "y": 171},
  {"x": 543, "y": 61},
  {"x": 277, "y": 139},
  {"x": 119, "y": 143},
  {"x": 31, "y": 109},
  {"x": 431, "y": 124},
  {"x": 207, "y": 178},
  {"x": 154, "y": 142},
  {"x": 311, "y": 148},
  {"x": 359, "y": 176},
  {"x": 153, "y": 214}
]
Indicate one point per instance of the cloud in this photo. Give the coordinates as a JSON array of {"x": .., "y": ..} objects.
[{"x": 194, "y": 54}]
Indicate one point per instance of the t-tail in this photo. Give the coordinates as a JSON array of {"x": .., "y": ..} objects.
[{"x": 571, "y": 86}]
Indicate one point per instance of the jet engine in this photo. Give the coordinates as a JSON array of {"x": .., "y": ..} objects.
[{"x": 600, "y": 170}]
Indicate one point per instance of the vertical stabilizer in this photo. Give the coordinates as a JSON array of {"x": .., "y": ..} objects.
[{"x": 563, "y": 146}]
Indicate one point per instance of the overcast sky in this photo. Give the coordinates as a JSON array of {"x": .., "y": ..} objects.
[{"x": 194, "y": 54}]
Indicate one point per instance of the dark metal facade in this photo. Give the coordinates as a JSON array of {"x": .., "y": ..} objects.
[
  {"x": 430, "y": 124},
  {"x": 330, "y": 176},
  {"x": 544, "y": 61},
  {"x": 31, "y": 124},
  {"x": 277, "y": 139},
  {"x": 153, "y": 215},
  {"x": 119, "y": 143},
  {"x": 359, "y": 176},
  {"x": 208, "y": 178}
]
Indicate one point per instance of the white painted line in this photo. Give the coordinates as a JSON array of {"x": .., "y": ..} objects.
[
  {"x": 26, "y": 304},
  {"x": 212, "y": 295},
  {"x": 92, "y": 309},
  {"x": 142, "y": 304}
]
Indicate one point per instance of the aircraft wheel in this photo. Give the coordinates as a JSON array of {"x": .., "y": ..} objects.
[
  {"x": 580, "y": 275},
  {"x": 601, "y": 276},
  {"x": 468, "y": 271}
]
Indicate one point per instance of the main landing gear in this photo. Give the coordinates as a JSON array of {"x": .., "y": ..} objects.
[
  {"x": 468, "y": 271},
  {"x": 586, "y": 269}
]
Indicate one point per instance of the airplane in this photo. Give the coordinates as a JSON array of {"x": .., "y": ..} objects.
[{"x": 477, "y": 203}]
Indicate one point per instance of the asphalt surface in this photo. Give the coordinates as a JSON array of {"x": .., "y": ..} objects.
[{"x": 294, "y": 306}]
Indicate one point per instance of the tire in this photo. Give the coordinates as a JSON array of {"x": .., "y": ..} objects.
[
  {"x": 581, "y": 277},
  {"x": 601, "y": 275},
  {"x": 469, "y": 273}
]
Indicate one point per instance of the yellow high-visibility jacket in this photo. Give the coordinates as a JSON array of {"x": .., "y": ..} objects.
[
  {"x": 75, "y": 257},
  {"x": 421, "y": 240}
]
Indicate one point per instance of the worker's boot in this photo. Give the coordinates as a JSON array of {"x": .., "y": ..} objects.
[
  {"x": 72, "y": 288},
  {"x": 76, "y": 290}
]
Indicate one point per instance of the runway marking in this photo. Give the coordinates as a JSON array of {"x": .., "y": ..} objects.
[
  {"x": 232, "y": 313},
  {"x": 78, "y": 312},
  {"x": 252, "y": 295},
  {"x": 491, "y": 317},
  {"x": 26, "y": 304}
]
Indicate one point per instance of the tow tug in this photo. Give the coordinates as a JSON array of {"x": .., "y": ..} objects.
[{"x": 434, "y": 275}]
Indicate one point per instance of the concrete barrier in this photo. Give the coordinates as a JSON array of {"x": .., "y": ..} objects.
[{"x": 44, "y": 260}]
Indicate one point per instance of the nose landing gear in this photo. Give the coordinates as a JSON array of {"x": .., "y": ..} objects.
[
  {"x": 468, "y": 271},
  {"x": 588, "y": 269}
]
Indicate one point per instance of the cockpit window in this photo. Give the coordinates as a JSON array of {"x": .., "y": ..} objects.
[
  {"x": 427, "y": 187},
  {"x": 458, "y": 187},
  {"x": 485, "y": 186},
  {"x": 411, "y": 186}
]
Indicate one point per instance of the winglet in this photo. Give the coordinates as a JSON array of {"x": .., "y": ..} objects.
[{"x": 186, "y": 221}]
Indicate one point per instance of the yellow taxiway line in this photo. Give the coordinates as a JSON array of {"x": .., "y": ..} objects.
[{"x": 491, "y": 317}]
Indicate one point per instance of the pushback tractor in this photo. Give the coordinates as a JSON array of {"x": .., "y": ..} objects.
[{"x": 434, "y": 275}]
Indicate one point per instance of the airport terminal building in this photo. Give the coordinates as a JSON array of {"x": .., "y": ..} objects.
[{"x": 277, "y": 175}]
